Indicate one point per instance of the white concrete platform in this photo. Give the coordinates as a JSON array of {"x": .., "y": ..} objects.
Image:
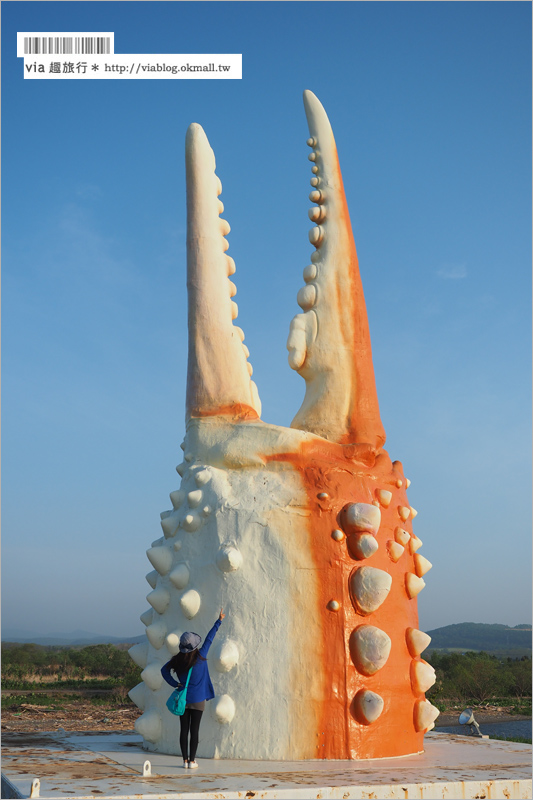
[{"x": 110, "y": 765}]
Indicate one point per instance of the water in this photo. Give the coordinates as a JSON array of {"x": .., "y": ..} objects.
[{"x": 515, "y": 727}]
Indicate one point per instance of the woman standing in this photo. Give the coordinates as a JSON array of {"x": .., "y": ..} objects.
[{"x": 200, "y": 688}]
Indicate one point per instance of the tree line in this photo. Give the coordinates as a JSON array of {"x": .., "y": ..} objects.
[
  {"x": 479, "y": 676},
  {"x": 460, "y": 676},
  {"x": 32, "y": 662}
]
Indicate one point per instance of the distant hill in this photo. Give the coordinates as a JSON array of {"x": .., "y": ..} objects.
[
  {"x": 496, "y": 639},
  {"x": 73, "y": 639}
]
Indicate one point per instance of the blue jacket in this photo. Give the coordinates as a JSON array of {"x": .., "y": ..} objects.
[{"x": 200, "y": 686}]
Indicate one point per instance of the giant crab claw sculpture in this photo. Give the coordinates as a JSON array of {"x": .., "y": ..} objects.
[{"x": 303, "y": 534}]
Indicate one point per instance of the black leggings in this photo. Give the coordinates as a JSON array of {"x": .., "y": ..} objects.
[{"x": 190, "y": 721}]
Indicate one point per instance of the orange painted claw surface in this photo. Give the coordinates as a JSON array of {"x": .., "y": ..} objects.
[{"x": 364, "y": 648}]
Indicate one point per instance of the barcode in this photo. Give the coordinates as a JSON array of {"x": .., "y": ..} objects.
[{"x": 67, "y": 45}]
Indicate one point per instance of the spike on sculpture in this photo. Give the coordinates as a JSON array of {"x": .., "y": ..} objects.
[{"x": 303, "y": 534}]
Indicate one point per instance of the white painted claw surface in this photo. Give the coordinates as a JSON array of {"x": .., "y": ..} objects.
[
  {"x": 170, "y": 525},
  {"x": 192, "y": 522},
  {"x": 156, "y": 633},
  {"x": 138, "y": 695},
  {"x": 361, "y": 517},
  {"x": 307, "y": 297},
  {"x": 147, "y": 617},
  {"x": 395, "y": 550},
  {"x": 368, "y": 706},
  {"x": 180, "y": 576},
  {"x": 152, "y": 677},
  {"x": 413, "y": 584},
  {"x": 159, "y": 599},
  {"x": 229, "y": 559},
  {"x": 217, "y": 379},
  {"x": 302, "y": 333},
  {"x": 139, "y": 654},
  {"x": 177, "y": 498},
  {"x": 369, "y": 649},
  {"x": 160, "y": 558},
  {"x": 173, "y": 642},
  {"x": 417, "y": 641},
  {"x": 422, "y": 565},
  {"x": 402, "y": 537},
  {"x": 228, "y": 656},
  {"x": 152, "y": 578},
  {"x": 422, "y": 676},
  {"x": 194, "y": 498},
  {"x": 425, "y": 714},
  {"x": 148, "y": 725},
  {"x": 202, "y": 477},
  {"x": 224, "y": 709},
  {"x": 362, "y": 545},
  {"x": 404, "y": 513},
  {"x": 190, "y": 603},
  {"x": 384, "y": 497},
  {"x": 369, "y": 588}
]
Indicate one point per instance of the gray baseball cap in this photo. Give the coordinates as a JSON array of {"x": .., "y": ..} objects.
[{"x": 189, "y": 641}]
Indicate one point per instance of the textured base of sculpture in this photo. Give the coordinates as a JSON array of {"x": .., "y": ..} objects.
[{"x": 313, "y": 556}]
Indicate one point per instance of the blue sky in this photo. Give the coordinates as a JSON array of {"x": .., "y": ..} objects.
[{"x": 430, "y": 106}]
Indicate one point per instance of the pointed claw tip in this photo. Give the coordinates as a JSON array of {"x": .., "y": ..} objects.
[
  {"x": 194, "y": 132},
  {"x": 312, "y": 105},
  {"x": 196, "y": 139}
]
